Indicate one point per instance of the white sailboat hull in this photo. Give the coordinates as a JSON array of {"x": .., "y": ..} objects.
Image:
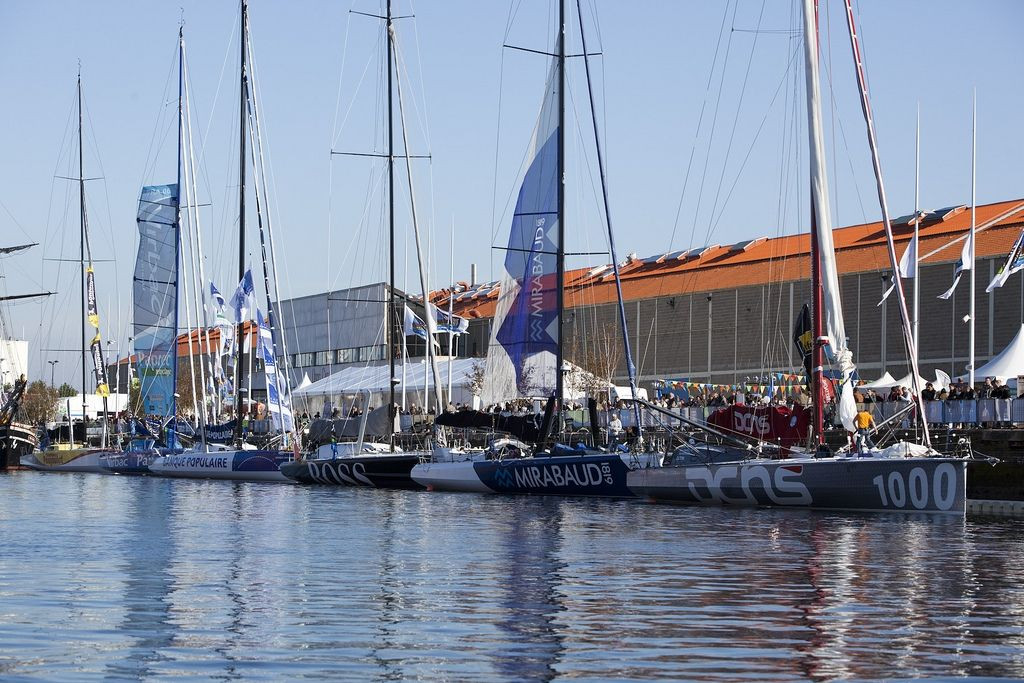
[
  {"x": 228, "y": 465},
  {"x": 73, "y": 460}
]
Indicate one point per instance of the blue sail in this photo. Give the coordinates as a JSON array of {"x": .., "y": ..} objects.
[
  {"x": 155, "y": 296},
  {"x": 525, "y": 332}
]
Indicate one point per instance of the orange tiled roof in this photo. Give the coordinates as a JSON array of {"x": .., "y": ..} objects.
[
  {"x": 859, "y": 248},
  {"x": 199, "y": 341}
]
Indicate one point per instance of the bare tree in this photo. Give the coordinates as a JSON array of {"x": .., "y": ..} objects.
[
  {"x": 599, "y": 356},
  {"x": 39, "y": 403}
]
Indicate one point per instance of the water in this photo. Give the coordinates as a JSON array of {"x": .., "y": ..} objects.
[{"x": 119, "y": 577}]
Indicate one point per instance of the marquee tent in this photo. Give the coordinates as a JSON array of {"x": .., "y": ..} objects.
[
  {"x": 349, "y": 382},
  {"x": 883, "y": 382},
  {"x": 1005, "y": 365}
]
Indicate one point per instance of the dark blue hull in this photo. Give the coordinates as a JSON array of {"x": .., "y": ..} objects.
[{"x": 133, "y": 462}]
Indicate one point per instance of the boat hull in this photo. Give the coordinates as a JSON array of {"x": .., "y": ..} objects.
[
  {"x": 132, "y": 463},
  {"x": 16, "y": 440},
  {"x": 255, "y": 465},
  {"x": 602, "y": 475},
  {"x": 936, "y": 485},
  {"x": 383, "y": 471},
  {"x": 71, "y": 460}
]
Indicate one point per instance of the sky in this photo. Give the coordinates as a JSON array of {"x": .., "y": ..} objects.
[{"x": 700, "y": 112}]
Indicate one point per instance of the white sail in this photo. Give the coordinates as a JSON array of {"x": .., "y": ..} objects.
[{"x": 521, "y": 356}]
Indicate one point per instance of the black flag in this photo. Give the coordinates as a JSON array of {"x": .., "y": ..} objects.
[{"x": 803, "y": 338}]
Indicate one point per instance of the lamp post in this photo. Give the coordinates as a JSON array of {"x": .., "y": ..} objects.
[
  {"x": 709, "y": 337},
  {"x": 52, "y": 363},
  {"x": 884, "y": 322}
]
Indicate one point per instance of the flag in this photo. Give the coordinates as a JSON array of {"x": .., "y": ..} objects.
[
  {"x": 242, "y": 300},
  {"x": 1014, "y": 262},
  {"x": 908, "y": 267},
  {"x": 802, "y": 337},
  {"x": 965, "y": 263},
  {"x": 219, "y": 318},
  {"x": 908, "y": 262},
  {"x": 451, "y": 323},
  {"x": 413, "y": 325},
  {"x": 96, "y": 346}
]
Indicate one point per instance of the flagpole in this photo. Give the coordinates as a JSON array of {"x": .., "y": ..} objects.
[
  {"x": 917, "y": 238},
  {"x": 974, "y": 154},
  {"x": 451, "y": 300}
]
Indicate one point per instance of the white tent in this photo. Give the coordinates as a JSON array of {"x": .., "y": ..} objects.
[
  {"x": 887, "y": 381},
  {"x": 349, "y": 382},
  {"x": 883, "y": 382},
  {"x": 306, "y": 381},
  {"x": 376, "y": 379},
  {"x": 1005, "y": 365}
]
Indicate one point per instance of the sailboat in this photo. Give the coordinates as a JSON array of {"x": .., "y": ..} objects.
[
  {"x": 16, "y": 438},
  {"x": 243, "y": 462},
  {"x": 903, "y": 477},
  {"x": 361, "y": 462},
  {"x": 525, "y": 354},
  {"x": 155, "y": 311},
  {"x": 83, "y": 458}
]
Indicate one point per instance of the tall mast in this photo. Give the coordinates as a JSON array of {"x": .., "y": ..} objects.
[
  {"x": 391, "y": 240},
  {"x": 81, "y": 243},
  {"x": 630, "y": 367},
  {"x": 974, "y": 203},
  {"x": 177, "y": 244},
  {"x": 560, "y": 251},
  {"x": 917, "y": 235},
  {"x": 240, "y": 332},
  {"x": 817, "y": 300}
]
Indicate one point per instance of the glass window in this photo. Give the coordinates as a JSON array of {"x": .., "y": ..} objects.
[
  {"x": 347, "y": 355},
  {"x": 323, "y": 358}
]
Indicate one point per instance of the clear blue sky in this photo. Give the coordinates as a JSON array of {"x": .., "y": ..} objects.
[{"x": 653, "y": 82}]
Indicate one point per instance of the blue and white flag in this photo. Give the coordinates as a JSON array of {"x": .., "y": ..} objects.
[
  {"x": 1014, "y": 262},
  {"x": 217, "y": 296},
  {"x": 413, "y": 325},
  {"x": 242, "y": 302},
  {"x": 277, "y": 402},
  {"x": 450, "y": 323},
  {"x": 965, "y": 263}
]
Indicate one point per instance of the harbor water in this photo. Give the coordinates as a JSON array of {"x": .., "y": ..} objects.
[{"x": 140, "y": 577}]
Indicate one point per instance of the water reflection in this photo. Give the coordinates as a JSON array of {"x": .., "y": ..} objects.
[
  {"x": 145, "y": 552},
  {"x": 147, "y": 578},
  {"x": 529, "y": 601}
]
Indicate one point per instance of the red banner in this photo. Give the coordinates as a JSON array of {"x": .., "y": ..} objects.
[{"x": 775, "y": 424}]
